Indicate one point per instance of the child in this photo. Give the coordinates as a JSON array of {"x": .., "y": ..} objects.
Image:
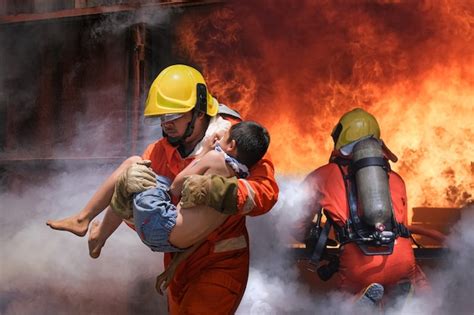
[{"x": 164, "y": 228}]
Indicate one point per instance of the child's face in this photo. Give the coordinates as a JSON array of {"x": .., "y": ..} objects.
[{"x": 226, "y": 143}]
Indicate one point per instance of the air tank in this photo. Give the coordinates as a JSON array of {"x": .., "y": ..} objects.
[{"x": 372, "y": 185}]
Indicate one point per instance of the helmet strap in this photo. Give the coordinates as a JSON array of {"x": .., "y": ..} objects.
[
  {"x": 201, "y": 95},
  {"x": 336, "y": 133}
]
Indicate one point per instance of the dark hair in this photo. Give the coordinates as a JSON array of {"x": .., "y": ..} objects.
[{"x": 252, "y": 141}]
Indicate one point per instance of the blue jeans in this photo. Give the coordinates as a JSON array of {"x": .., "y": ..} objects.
[{"x": 155, "y": 216}]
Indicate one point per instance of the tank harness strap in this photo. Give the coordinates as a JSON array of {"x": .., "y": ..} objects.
[
  {"x": 344, "y": 236},
  {"x": 354, "y": 225},
  {"x": 312, "y": 238},
  {"x": 321, "y": 244},
  {"x": 316, "y": 244},
  {"x": 355, "y": 230},
  {"x": 369, "y": 161}
]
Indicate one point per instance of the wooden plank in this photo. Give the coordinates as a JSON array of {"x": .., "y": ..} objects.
[{"x": 83, "y": 12}]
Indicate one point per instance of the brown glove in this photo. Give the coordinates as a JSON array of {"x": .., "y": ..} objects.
[
  {"x": 214, "y": 191},
  {"x": 138, "y": 177},
  {"x": 135, "y": 179}
]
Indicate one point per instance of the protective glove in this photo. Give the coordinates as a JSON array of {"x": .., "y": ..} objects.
[
  {"x": 214, "y": 191},
  {"x": 138, "y": 177},
  {"x": 135, "y": 179}
]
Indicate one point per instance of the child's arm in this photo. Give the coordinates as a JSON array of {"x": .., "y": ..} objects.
[{"x": 197, "y": 167}]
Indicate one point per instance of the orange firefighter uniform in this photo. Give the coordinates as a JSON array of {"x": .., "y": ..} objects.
[
  {"x": 215, "y": 275},
  {"x": 356, "y": 270}
]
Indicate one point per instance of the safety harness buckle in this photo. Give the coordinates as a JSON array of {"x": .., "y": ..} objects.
[{"x": 384, "y": 237}]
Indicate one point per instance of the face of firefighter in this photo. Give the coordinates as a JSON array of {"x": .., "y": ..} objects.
[{"x": 177, "y": 127}]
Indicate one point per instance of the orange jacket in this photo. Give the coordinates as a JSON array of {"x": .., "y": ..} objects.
[
  {"x": 224, "y": 255},
  {"x": 356, "y": 270}
]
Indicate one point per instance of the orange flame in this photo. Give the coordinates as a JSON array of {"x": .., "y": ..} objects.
[{"x": 296, "y": 68}]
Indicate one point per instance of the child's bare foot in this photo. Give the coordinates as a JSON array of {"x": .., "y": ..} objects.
[
  {"x": 95, "y": 243},
  {"x": 71, "y": 224}
]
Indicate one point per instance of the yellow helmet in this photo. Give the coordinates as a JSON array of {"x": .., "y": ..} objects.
[
  {"x": 354, "y": 125},
  {"x": 178, "y": 89}
]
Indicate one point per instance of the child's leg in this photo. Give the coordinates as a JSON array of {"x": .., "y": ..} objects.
[
  {"x": 101, "y": 231},
  {"x": 194, "y": 225},
  {"x": 164, "y": 279},
  {"x": 79, "y": 223}
]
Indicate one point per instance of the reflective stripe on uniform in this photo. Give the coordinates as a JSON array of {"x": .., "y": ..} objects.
[
  {"x": 229, "y": 244},
  {"x": 250, "y": 202}
]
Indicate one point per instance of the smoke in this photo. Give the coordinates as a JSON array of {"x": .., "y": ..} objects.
[
  {"x": 118, "y": 23},
  {"x": 46, "y": 271},
  {"x": 453, "y": 286},
  {"x": 273, "y": 273}
]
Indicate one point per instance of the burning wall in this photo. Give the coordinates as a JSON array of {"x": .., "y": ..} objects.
[{"x": 297, "y": 66}]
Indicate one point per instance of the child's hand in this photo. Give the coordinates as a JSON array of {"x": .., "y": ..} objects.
[{"x": 210, "y": 143}]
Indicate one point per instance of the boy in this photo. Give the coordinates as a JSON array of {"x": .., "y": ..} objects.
[
  {"x": 164, "y": 228},
  {"x": 161, "y": 225}
]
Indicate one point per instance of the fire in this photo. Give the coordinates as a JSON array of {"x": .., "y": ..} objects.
[{"x": 298, "y": 68}]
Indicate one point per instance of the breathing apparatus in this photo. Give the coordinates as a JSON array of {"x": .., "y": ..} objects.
[{"x": 363, "y": 160}]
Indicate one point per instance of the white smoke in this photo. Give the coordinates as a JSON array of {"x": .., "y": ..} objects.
[
  {"x": 49, "y": 272},
  {"x": 273, "y": 273},
  {"x": 453, "y": 280},
  {"x": 275, "y": 285}
]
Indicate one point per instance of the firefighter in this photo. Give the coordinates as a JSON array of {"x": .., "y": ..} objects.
[
  {"x": 214, "y": 277},
  {"x": 366, "y": 204}
]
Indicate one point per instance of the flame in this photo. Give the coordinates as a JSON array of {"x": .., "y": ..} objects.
[{"x": 296, "y": 68}]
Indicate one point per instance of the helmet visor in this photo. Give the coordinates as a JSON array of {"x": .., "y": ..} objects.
[
  {"x": 161, "y": 119},
  {"x": 169, "y": 117}
]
